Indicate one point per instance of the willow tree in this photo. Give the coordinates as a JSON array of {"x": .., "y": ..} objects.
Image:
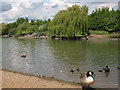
[{"x": 72, "y": 22}]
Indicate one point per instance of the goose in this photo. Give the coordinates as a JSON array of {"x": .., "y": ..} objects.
[
  {"x": 106, "y": 69},
  {"x": 87, "y": 78}
]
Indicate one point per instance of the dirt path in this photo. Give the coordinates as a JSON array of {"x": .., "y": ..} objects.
[{"x": 16, "y": 80}]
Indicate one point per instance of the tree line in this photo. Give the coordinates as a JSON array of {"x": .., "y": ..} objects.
[
  {"x": 103, "y": 19},
  {"x": 72, "y": 22},
  {"x": 23, "y": 26}
]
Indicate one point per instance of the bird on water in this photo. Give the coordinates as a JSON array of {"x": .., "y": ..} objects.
[
  {"x": 72, "y": 70},
  {"x": 106, "y": 69}
]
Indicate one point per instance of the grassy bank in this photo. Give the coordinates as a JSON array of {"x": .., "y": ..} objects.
[
  {"x": 99, "y": 32},
  {"x": 103, "y": 33}
]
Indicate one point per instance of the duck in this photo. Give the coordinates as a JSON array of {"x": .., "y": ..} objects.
[
  {"x": 87, "y": 37},
  {"x": 106, "y": 69},
  {"x": 118, "y": 68},
  {"x": 87, "y": 78},
  {"x": 100, "y": 70},
  {"x": 78, "y": 69},
  {"x": 72, "y": 70},
  {"x": 23, "y": 55}
]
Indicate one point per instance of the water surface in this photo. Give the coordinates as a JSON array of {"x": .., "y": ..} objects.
[{"x": 57, "y": 57}]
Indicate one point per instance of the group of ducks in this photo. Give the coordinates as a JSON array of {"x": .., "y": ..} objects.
[{"x": 88, "y": 78}]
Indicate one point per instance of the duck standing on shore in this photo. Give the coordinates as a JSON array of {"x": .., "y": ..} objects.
[{"x": 87, "y": 78}]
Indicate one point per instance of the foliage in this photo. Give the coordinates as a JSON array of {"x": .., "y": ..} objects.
[
  {"x": 70, "y": 23},
  {"x": 22, "y": 26},
  {"x": 99, "y": 32},
  {"x": 103, "y": 19},
  {"x": 114, "y": 36},
  {"x": 2, "y": 26}
]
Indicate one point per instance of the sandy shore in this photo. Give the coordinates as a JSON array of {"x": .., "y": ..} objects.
[{"x": 17, "y": 80}]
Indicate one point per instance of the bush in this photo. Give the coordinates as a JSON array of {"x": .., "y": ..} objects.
[{"x": 99, "y": 32}]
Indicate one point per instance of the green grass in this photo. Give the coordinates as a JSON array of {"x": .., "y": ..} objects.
[
  {"x": 111, "y": 36},
  {"x": 99, "y": 32}
]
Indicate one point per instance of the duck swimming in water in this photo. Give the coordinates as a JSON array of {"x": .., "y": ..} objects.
[
  {"x": 87, "y": 78},
  {"x": 118, "y": 68},
  {"x": 106, "y": 69},
  {"x": 78, "y": 69},
  {"x": 72, "y": 70},
  {"x": 23, "y": 55}
]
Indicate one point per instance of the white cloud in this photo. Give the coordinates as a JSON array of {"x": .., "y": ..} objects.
[
  {"x": 1, "y": 19},
  {"x": 40, "y": 17},
  {"x": 27, "y": 5},
  {"x": 22, "y": 1},
  {"x": 14, "y": 12},
  {"x": 55, "y": 1},
  {"x": 110, "y": 5},
  {"x": 40, "y": 10},
  {"x": 25, "y": 15},
  {"x": 4, "y": 6}
]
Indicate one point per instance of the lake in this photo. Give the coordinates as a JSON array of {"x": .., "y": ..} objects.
[{"x": 57, "y": 57}]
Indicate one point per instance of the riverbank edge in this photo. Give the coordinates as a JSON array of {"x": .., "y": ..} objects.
[
  {"x": 92, "y": 36},
  {"x": 45, "y": 78}
]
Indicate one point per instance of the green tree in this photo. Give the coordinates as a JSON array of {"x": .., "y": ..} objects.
[
  {"x": 103, "y": 19},
  {"x": 72, "y": 22},
  {"x": 32, "y": 21}
]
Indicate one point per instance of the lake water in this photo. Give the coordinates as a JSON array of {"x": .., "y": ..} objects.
[{"x": 57, "y": 57}]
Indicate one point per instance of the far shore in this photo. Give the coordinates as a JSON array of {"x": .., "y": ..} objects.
[
  {"x": 91, "y": 37},
  {"x": 11, "y": 79}
]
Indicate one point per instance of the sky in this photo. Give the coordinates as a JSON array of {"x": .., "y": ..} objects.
[{"x": 10, "y": 10}]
